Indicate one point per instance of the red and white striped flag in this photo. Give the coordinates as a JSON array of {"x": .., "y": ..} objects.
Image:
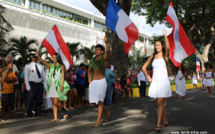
[
  {"x": 54, "y": 43},
  {"x": 180, "y": 45}
]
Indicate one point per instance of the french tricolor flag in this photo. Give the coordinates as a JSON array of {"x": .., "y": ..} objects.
[
  {"x": 198, "y": 64},
  {"x": 54, "y": 43},
  {"x": 180, "y": 45},
  {"x": 119, "y": 22}
]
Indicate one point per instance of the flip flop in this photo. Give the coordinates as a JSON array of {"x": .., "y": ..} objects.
[
  {"x": 108, "y": 118},
  {"x": 158, "y": 129},
  {"x": 95, "y": 125},
  {"x": 53, "y": 121},
  {"x": 164, "y": 125}
]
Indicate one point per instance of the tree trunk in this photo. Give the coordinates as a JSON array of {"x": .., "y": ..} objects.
[
  {"x": 119, "y": 58},
  {"x": 204, "y": 57}
]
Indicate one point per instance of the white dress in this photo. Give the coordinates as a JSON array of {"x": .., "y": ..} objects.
[
  {"x": 160, "y": 86},
  {"x": 194, "y": 80},
  {"x": 208, "y": 82},
  {"x": 53, "y": 91},
  {"x": 180, "y": 84},
  {"x": 203, "y": 80}
]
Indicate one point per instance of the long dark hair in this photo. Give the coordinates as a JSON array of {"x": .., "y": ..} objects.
[
  {"x": 164, "y": 52},
  {"x": 182, "y": 69},
  {"x": 58, "y": 57}
]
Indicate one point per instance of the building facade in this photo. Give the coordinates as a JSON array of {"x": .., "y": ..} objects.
[{"x": 35, "y": 18}]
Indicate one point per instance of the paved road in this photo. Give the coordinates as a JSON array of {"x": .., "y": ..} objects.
[{"x": 196, "y": 113}]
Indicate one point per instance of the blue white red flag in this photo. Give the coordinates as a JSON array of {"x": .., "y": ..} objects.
[
  {"x": 119, "y": 22},
  {"x": 198, "y": 64},
  {"x": 180, "y": 45}
]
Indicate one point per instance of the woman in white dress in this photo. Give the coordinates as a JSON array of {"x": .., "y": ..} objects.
[
  {"x": 160, "y": 85},
  {"x": 209, "y": 77},
  {"x": 194, "y": 81},
  {"x": 180, "y": 82},
  {"x": 57, "y": 87}
]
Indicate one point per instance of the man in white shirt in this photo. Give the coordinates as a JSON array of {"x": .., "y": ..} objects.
[
  {"x": 35, "y": 80},
  {"x": 142, "y": 83}
]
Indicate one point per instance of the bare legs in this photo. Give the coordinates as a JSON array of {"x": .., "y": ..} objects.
[
  {"x": 161, "y": 113},
  {"x": 101, "y": 110},
  {"x": 55, "y": 105},
  {"x": 203, "y": 86},
  {"x": 194, "y": 86},
  {"x": 209, "y": 91}
]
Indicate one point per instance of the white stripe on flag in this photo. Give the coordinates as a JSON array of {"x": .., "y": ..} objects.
[
  {"x": 51, "y": 38},
  {"x": 179, "y": 53},
  {"x": 123, "y": 22}
]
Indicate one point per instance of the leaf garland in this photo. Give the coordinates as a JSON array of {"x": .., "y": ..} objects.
[{"x": 97, "y": 64}]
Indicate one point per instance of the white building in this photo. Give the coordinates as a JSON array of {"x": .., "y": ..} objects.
[{"x": 35, "y": 18}]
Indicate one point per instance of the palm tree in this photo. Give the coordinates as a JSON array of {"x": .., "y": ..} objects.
[
  {"x": 5, "y": 28},
  {"x": 21, "y": 48},
  {"x": 73, "y": 48},
  {"x": 88, "y": 53}
]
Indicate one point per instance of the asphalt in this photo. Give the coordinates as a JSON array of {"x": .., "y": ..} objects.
[{"x": 194, "y": 114}]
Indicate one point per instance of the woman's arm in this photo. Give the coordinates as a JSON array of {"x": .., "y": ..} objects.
[
  {"x": 166, "y": 43},
  {"x": 145, "y": 66},
  {"x": 42, "y": 61},
  {"x": 62, "y": 77}
]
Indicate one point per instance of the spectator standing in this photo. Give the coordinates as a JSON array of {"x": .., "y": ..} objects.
[
  {"x": 8, "y": 91},
  {"x": 110, "y": 78},
  {"x": 35, "y": 80},
  {"x": 142, "y": 83},
  {"x": 80, "y": 75}
]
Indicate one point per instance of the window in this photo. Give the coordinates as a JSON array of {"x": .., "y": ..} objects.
[
  {"x": 150, "y": 42},
  {"x": 49, "y": 9},
  {"x": 99, "y": 25}
]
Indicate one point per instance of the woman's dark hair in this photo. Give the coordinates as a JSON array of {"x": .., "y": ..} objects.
[
  {"x": 182, "y": 69},
  {"x": 70, "y": 68},
  {"x": 210, "y": 64},
  {"x": 163, "y": 48},
  {"x": 58, "y": 57}
]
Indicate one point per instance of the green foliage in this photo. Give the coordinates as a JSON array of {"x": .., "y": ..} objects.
[
  {"x": 30, "y": 7},
  {"x": 37, "y": 10},
  {"x": 135, "y": 61},
  {"x": 67, "y": 18},
  {"x": 73, "y": 48},
  {"x": 5, "y": 28},
  {"x": 21, "y": 48},
  {"x": 196, "y": 17},
  {"x": 5, "y": 0},
  {"x": 43, "y": 11}
]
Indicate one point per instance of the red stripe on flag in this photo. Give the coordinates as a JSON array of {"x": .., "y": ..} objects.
[
  {"x": 132, "y": 33},
  {"x": 185, "y": 42},
  {"x": 62, "y": 44},
  {"x": 49, "y": 47}
]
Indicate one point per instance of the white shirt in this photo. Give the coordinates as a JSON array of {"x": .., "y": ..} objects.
[
  {"x": 141, "y": 77},
  {"x": 31, "y": 74}
]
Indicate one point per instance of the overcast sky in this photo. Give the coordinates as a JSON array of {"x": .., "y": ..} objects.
[{"x": 140, "y": 21}]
